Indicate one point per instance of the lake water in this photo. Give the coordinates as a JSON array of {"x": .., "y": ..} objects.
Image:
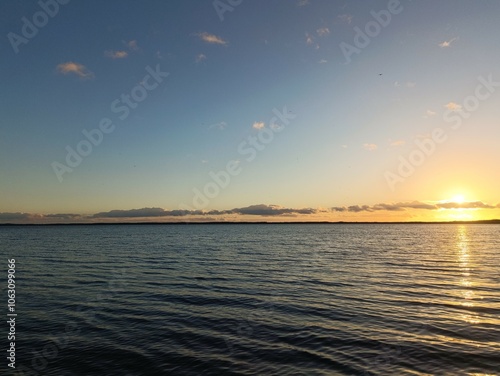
[{"x": 297, "y": 299}]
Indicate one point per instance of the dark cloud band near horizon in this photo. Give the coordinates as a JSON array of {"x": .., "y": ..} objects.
[{"x": 261, "y": 210}]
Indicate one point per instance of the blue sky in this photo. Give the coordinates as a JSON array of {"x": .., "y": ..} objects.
[{"x": 350, "y": 119}]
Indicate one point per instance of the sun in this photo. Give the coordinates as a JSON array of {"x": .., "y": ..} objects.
[{"x": 458, "y": 199}]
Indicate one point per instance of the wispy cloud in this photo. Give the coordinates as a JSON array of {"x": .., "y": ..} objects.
[
  {"x": 347, "y": 18},
  {"x": 370, "y": 147},
  {"x": 323, "y": 61},
  {"x": 75, "y": 68},
  {"x": 447, "y": 43},
  {"x": 303, "y": 3},
  {"x": 200, "y": 58},
  {"x": 408, "y": 84},
  {"x": 452, "y": 106},
  {"x": 400, "y": 206},
  {"x": 132, "y": 45},
  {"x": 222, "y": 125},
  {"x": 211, "y": 38},
  {"x": 323, "y": 31},
  {"x": 26, "y": 217},
  {"x": 429, "y": 113},
  {"x": 116, "y": 54},
  {"x": 258, "y": 125},
  {"x": 398, "y": 143},
  {"x": 309, "y": 39}
]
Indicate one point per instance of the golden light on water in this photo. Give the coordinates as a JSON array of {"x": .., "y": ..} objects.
[{"x": 463, "y": 256}]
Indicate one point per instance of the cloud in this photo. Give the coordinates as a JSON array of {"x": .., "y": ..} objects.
[
  {"x": 14, "y": 216},
  {"x": 262, "y": 210},
  {"x": 303, "y": 3},
  {"x": 63, "y": 216},
  {"x": 133, "y": 213},
  {"x": 210, "y": 38},
  {"x": 447, "y": 43},
  {"x": 429, "y": 113},
  {"x": 269, "y": 210},
  {"x": 323, "y": 61},
  {"x": 116, "y": 54},
  {"x": 259, "y": 210},
  {"x": 398, "y": 143},
  {"x": 370, "y": 147},
  {"x": 31, "y": 217},
  {"x": 345, "y": 18},
  {"x": 132, "y": 45},
  {"x": 309, "y": 39},
  {"x": 258, "y": 125},
  {"x": 75, "y": 68},
  {"x": 200, "y": 58},
  {"x": 400, "y": 206},
  {"x": 323, "y": 31},
  {"x": 452, "y": 106},
  {"x": 221, "y": 126},
  {"x": 408, "y": 84},
  {"x": 464, "y": 205}
]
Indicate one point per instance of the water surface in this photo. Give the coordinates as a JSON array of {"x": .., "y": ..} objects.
[{"x": 308, "y": 299}]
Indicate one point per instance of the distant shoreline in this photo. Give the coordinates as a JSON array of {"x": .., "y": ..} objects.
[{"x": 487, "y": 221}]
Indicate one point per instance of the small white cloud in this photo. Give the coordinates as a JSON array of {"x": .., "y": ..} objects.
[
  {"x": 323, "y": 61},
  {"x": 75, "y": 68},
  {"x": 200, "y": 58},
  {"x": 116, "y": 54},
  {"x": 211, "y": 38},
  {"x": 397, "y": 84},
  {"x": 370, "y": 147},
  {"x": 447, "y": 43},
  {"x": 302, "y": 3},
  {"x": 258, "y": 125},
  {"x": 430, "y": 113},
  {"x": 323, "y": 31},
  {"x": 452, "y": 106}
]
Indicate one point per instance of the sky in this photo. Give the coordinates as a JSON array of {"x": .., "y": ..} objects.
[{"x": 262, "y": 110}]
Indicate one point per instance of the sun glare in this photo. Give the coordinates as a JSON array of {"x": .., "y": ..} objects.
[{"x": 458, "y": 199}]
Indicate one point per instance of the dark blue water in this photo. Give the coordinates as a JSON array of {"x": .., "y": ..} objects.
[{"x": 255, "y": 299}]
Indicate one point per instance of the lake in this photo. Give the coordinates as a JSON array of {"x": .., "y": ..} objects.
[{"x": 255, "y": 299}]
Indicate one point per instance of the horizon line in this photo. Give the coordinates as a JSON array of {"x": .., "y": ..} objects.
[{"x": 479, "y": 221}]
